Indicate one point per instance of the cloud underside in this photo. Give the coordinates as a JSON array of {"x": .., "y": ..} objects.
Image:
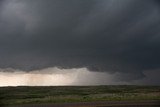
[
  {"x": 70, "y": 77},
  {"x": 103, "y": 36}
]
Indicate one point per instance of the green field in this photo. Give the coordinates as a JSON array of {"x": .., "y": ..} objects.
[{"x": 61, "y": 94}]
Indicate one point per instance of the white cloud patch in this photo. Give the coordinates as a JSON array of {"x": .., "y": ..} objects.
[{"x": 55, "y": 77}]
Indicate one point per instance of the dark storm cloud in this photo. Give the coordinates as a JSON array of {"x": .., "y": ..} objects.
[{"x": 102, "y": 35}]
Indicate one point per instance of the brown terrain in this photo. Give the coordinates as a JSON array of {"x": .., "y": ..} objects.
[{"x": 99, "y": 104}]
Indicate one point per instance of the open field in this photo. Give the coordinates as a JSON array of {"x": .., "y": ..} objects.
[
  {"x": 97, "y": 104},
  {"x": 70, "y": 94}
]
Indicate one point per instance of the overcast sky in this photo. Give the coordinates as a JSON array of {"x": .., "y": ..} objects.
[{"x": 115, "y": 37}]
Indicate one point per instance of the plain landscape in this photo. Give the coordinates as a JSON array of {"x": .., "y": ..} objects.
[{"x": 23, "y": 95}]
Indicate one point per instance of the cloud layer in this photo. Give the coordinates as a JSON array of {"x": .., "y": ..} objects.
[
  {"x": 70, "y": 77},
  {"x": 55, "y": 77},
  {"x": 100, "y": 35}
]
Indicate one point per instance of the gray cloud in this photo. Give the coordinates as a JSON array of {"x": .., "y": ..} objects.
[{"x": 102, "y": 35}]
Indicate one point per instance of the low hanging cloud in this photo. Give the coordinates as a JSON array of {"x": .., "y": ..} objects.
[
  {"x": 119, "y": 37},
  {"x": 69, "y": 77},
  {"x": 151, "y": 78},
  {"x": 55, "y": 77}
]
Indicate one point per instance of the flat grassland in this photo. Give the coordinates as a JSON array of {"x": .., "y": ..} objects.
[{"x": 68, "y": 94}]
